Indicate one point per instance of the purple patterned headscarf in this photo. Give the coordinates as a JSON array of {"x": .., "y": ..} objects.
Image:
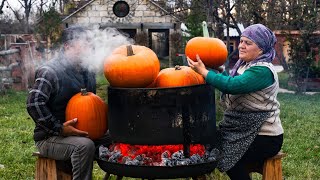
[{"x": 264, "y": 38}]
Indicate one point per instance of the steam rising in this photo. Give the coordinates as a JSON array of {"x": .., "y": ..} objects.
[{"x": 99, "y": 44}]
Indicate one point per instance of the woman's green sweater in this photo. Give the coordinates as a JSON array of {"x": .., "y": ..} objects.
[{"x": 253, "y": 79}]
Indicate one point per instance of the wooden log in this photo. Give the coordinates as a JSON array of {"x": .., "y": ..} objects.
[
  {"x": 46, "y": 169},
  {"x": 272, "y": 168}
]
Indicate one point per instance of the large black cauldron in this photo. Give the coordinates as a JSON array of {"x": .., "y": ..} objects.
[{"x": 162, "y": 116}]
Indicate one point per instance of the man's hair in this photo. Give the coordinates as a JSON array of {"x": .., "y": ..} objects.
[{"x": 72, "y": 33}]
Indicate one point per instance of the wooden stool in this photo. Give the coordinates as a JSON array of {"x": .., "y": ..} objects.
[
  {"x": 272, "y": 168},
  {"x": 46, "y": 169}
]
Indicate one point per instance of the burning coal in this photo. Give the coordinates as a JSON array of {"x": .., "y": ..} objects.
[{"x": 167, "y": 155}]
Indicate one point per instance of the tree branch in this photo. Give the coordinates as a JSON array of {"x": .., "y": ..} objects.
[
  {"x": 1, "y": 6},
  {"x": 16, "y": 13},
  {"x": 224, "y": 22},
  {"x": 235, "y": 22},
  {"x": 21, "y": 3}
]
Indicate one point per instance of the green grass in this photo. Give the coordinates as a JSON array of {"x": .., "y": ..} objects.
[
  {"x": 102, "y": 84},
  {"x": 16, "y": 140},
  {"x": 300, "y": 117},
  {"x": 299, "y": 114}
]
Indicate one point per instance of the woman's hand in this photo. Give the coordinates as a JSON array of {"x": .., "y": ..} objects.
[
  {"x": 68, "y": 129},
  {"x": 198, "y": 66}
]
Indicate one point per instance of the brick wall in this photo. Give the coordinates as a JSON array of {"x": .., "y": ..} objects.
[{"x": 17, "y": 66}]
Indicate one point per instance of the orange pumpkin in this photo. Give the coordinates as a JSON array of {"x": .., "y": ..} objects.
[
  {"x": 178, "y": 76},
  {"x": 212, "y": 51},
  {"x": 152, "y": 85},
  {"x": 131, "y": 66},
  {"x": 91, "y": 112}
]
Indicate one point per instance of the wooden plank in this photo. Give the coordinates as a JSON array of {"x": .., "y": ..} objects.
[
  {"x": 138, "y": 25},
  {"x": 46, "y": 169},
  {"x": 63, "y": 176},
  {"x": 10, "y": 51},
  {"x": 272, "y": 170}
]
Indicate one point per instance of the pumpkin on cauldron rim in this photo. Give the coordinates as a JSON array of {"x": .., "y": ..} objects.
[
  {"x": 131, "y": 66},
  {"x": 212, "y": 51},
  {"x": 91, "y": 112},
  {"x": 178, "y": 76}
]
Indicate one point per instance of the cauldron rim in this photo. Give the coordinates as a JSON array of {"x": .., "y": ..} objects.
[{"x": 157, "y": 88}]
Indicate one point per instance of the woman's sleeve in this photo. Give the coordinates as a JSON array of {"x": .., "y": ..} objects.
[{"x": 253, "y": 79}]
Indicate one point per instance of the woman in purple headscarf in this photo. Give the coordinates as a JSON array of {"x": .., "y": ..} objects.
[{"x": 251, "y": 130}]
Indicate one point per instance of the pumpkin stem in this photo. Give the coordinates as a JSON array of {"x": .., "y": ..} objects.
[
  {"x": 205, "y": 29},
  {"x": 84, "y": 92},
  {"x": 177, "y": 67},
  {"x": 129, "y": 50}
]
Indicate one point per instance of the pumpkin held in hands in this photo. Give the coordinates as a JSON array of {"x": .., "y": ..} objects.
[
  {"x": 91, "y": 112},
  {"x": 178, "y": 76},
  {"x": 212, "y": 51},
  {"x": 131, "y": 66}
]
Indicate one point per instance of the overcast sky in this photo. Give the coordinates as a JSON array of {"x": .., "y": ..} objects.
[{"x": 14, "y": 3}]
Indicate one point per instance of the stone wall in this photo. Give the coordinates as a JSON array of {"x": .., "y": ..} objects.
[
  {"x": 100, "y": 11},
  {"x": 144, "y": 15}
]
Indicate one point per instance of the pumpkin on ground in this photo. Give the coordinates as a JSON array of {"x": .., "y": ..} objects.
[
  {"x": 178, "y": 76},
  {"x": 131, "y": 66},
  {"x": 91, "y": 112},
  {"x": 212, "y": 51}
]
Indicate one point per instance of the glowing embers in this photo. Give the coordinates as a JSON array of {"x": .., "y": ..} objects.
[{"x": 165, "y": 155}]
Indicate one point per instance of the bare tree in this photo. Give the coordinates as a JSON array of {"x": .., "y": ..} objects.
[
  {"x": 41, "y": 7},
  {"x": 2, "y": 5},
  {"x": 17, "y": 14},
  {"x": 9, "y": 25},
  {"x": 27, "y": 7}
]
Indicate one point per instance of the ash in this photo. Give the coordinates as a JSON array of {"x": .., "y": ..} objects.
[{"x": 175, "y": 159}]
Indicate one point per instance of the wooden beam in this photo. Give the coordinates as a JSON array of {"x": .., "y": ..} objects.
[
  {"x": 10, "y": 51},
  {"x": 138, "y": 25}
]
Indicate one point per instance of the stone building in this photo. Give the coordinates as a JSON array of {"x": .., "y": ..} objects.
[
  {"x": 143, "y": 20},
  {"x": 18, "y": 62}
]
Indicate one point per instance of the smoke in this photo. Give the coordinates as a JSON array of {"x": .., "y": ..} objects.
[
  {"x": 102, "y": 43},
  {"x": 99, "y": 44}
]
